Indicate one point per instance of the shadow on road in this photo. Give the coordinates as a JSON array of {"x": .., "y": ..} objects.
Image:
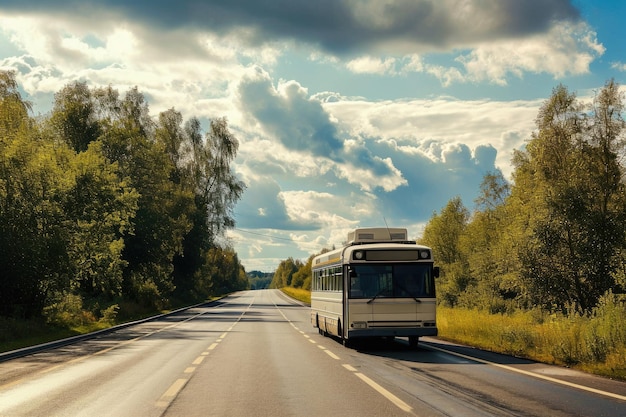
[{"x": 432, "y": 351}]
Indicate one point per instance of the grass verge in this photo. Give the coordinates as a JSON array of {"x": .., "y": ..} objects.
[
  {"x": 298, "y": 294},
  {"x": 68, "y": 322},
  {"x": 594, "y": 344}
]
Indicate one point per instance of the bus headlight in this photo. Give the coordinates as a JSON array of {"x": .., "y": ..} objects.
[
  {"x": 359, "y": 325},
  {"x": 424, "y": 254},
  {"x": 359, "y": 255}
]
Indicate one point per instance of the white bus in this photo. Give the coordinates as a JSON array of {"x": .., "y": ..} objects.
[{"x": 380, "y": 284}]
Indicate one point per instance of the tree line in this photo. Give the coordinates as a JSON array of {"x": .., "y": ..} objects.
[
  {"x": 101, "y": 201},
  {"x": 555, "y": 237}
]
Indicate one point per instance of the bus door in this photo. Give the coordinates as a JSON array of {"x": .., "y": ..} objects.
[{"x": 346, "y": 304}]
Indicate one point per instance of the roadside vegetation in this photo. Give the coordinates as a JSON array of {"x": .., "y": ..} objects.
[
  {"x": 298, "y": 294},
  {"x": 108, "y": 212},
  {"x": 594, "y": 343},
  {"x": 538, "y": 267}
]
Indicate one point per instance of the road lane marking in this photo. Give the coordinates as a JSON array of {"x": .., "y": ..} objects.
[
  {"x": 331, "y": 354},
  {"x": 395, "y": 400},
  {"x": 328, "y": 352},
  {"x": 388, "y": 395},
  {"x": 531, "y": 374},
  {"x": 167, "y": 398}
]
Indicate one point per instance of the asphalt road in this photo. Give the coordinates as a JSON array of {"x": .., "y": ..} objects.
[{"x": 255, "y": 354}]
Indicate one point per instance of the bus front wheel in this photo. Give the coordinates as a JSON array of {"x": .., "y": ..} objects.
[{"x": 413, "y": 341}]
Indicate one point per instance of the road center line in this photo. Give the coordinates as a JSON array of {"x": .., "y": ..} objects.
[
  {"x": 331, "y": 354},
  {"x": 397, "y": 401},
  {"x": 171, "y": 393}
]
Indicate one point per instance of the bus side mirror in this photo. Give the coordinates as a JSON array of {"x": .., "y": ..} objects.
[
  {"x": 436, "y": 272},
  {"x": 353, "y": 273}
]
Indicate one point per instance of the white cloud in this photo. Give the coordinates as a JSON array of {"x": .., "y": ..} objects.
[
  {"x": 567, "y": 49},
  {"x": 426, "y": 125},
  {"x": 620, "y": 66},
  {"x": 371, "y": 65}
]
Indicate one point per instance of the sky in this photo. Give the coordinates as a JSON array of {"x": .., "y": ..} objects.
[{"x": 349, "y": 113}]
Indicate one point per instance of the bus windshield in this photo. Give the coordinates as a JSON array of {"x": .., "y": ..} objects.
[{"x": 392, "y": 281}]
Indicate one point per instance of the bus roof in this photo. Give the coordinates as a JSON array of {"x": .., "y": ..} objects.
[
  {"x": 361, "y": 238},
  {"x": 377, "y": 235}
]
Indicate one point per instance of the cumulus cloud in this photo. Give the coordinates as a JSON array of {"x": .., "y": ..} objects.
[
  {"x": 493, "y": 39},
  {"x": 566, "y": 49},
  {"x": 338, "y": 26},
  {"x": 301, "y": 124},
  {"x": 287, "y": 113},
  {"x": 263, "y": 207},
  {"x": 428, "y": 126},
  {"x": 371, "y": 65}
]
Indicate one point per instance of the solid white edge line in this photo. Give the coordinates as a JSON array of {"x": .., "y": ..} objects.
[{"x": 532, "y": 374}]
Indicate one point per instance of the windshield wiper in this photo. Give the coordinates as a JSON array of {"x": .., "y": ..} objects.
[
  {"x": 377, "y": 294},
  {"x": 409, "y": 292}
]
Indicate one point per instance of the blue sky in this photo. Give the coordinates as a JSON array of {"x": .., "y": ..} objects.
[{"x": 349, "y": 113}]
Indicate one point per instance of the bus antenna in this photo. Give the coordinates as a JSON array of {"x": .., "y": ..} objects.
[{"x": 387, "y": 226}]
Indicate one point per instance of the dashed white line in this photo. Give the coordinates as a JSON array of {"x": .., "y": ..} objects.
[
  {"x": 171, "y": 393},
  {"x": 395, "y": 400}
]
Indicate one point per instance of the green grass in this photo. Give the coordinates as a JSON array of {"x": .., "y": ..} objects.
[
  {"x": 298, "y": 293},
  {"x": 595, "y": 344},
  {"x": 69, "y": 319},
  {"x": 16, "y": 334}
]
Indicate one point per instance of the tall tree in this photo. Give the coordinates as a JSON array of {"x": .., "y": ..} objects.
[
  {"x": 100, "y": 209},
  {"x": 569, "y": 184},
  {"x": 486, "y": 242},
  {"x": 443, "y": 234},
  {"x": 33, "y": 235},
  {"x": 74, "y": 117},
  {"x": 161, "y": 219},
  {"x": 219, "y": 187}
]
